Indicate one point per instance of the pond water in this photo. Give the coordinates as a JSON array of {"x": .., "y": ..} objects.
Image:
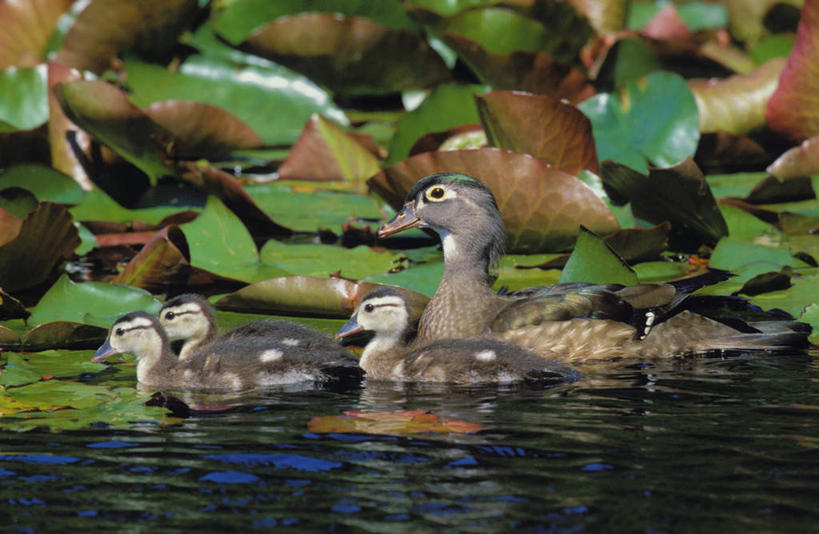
[{"x": 707, "y": 444}]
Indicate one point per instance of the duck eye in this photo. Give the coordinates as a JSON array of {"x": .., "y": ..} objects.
[
  {"x": 369, "y": 308},
  {"x": 436, "y": 193},
  {"x": 170, "y": 315},
  {"x": 119, "y": 331}
]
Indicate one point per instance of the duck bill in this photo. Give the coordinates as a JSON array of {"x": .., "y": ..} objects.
[
  {"x": 350, "y": 327},
  {"x": 403, "y": 220},
  {"x": 103, "y": 352}
]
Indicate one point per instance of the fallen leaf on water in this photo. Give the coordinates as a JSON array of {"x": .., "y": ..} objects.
[{"x": 403, "y": 422}]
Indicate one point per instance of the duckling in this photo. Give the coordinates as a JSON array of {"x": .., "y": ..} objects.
[
  {"x": 387, "y": 356},
  {"x": 577, "y": 321},
  {"x": 189, "y": 318},
  {"x": 228, "y": 364}
]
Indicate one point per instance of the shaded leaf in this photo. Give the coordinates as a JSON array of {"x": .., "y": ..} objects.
[
  {"x": 595, "y": 262},
  {"x": 637, "y": 124},
  {"x": 325, "y": 152},
  {"x": 405, "y": 422},
  {"x": 97, "y": 206},
  {"x": 736, "y": 104},
  {"x": 64, "y": 335},
  {"x": 271, "y": 99},
  {"x": 324, "y": 260},
  {"x": 93, "y": 303},
  {"x": 793, "y": 109},
  {"x": 11, "y": 307},
  {"x": 724, "y": 152},
  {"x": 160, "y": 263},
  {"x": 106, "y": 113},
  {"x": 205, "y": 131},
  {"x": 349, "y": 54},
  {"x": 556, "y": 133},
  {"x": 541, "y": 207},
  {"x": 306, "y": 295},
  {"x": 44, "y": 182},
  {"x": 63, "y": 135},
  {"x": 27, "y": 28},
  {"x": 802, "y": 160},
  {"x": 105, "y": 28},
  {"x": 8, "y": 338},
  {"x": 23, "y": 98},
  {"x": 773, "y": 190},
  {"x": 47, "y": 236},
  {"x": 678, "y": 194}
]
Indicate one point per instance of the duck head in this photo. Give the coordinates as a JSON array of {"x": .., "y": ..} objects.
[{"x": 189, "y": 317}]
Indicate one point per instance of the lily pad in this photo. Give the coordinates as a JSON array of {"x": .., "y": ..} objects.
[
  {"x": 61, "y": 130},
  {"x": 56, "y": 363},
  {"x": 542, "y": 207},
  {"x": 637, "y": 125},
  {"x": 595, "y": 262},
  {"x": 801, "y": 160},
  {"x": 324, "y": 260},
  {"x": 422, "y": 278},
  {"x": 64, "y": 334},
  {"x": 406, "y": 422},
  {"x": 731, "y": 254},
  {"x": 556, "y": 133},
  {"x": 27, "y": 28},
  {"x": 23, "y": 98},
  {"x": 97, "y": 206},
  {"x": 44, "y": 182}
]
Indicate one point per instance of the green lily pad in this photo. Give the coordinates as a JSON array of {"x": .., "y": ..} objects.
[
  {"x": 422, "y": 278},
  {"x": 660, "y": 271},
  {"x": 743, "y": 226},
  {"x": 804, "y": 292},
  {"x": 271, "y": 99},
  {"x": 64, "y": 334},
  {"x": 811, "y": 316},
  {"x": 44, "y": 182},
  {"x": 595, "y": 262},
  {"x": 324, "y": 260},
  {"x": 55, "y": 363},
  {"x": 97, "y": 206},
  {"x": 23, "y": 98},
  {"x": 637, "y": 125},
  {"x": 76, "y": 302},
  {"x": 16, "y": 373},
  {"x": 731, "y": 254}
]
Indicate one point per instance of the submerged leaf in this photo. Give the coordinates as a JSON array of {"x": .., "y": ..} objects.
[
  {"x": 542, "y": 207},
  {"x": 406, "y": 422}
]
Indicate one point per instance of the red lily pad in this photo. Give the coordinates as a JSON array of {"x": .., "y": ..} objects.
[
  {"x": 557, "y": 133},
  {"x": 404, "y": 422},
  {"x": 27, "y": 28},
  {"x": 205, "y": 131},
  {"x": 802, "y": 160},
  {"x": 793, "y": 109},
  {"x": 103, "y": 29},
  {"x": 354, "y": 55},
  {"x": 47, "y": 235},
  {"x": 324, "y": 152},
  {"x": 542, "y": 207}
]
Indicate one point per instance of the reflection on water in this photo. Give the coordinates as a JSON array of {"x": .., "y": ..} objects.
[{"x": 686, "y": 445}]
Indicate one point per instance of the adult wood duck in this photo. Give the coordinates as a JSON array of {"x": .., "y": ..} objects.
[
  {"x": 577, "y": 321},
  {"x": 388, "y": 356},
  {"x": 228, "y": 364},
  {"x": 189, "y": 318}
]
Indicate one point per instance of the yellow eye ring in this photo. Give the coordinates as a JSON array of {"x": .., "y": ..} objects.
[{"x": 436, "y": 193}]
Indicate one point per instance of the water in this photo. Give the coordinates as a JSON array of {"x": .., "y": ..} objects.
[{"x": 702, "y": 445}]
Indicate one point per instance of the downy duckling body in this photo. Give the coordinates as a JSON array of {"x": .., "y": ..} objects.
[
  {"x": 189, "y": 318},
  {"x": 222, "y": 365},
  {"x": 577, "y": 322},
  {"x": 387, "y": 356}
]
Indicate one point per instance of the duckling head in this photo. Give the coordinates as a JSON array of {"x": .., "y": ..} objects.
[
  {"x": 138, "y": 333},
  {"x": 189, "y": 317},
  {"x": 461, "y": 210}
]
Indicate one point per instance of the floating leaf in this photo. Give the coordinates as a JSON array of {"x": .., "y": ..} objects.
[
  {"x": 65, "y": 335},
  {"x": 637, "y": 124},
  {"x": 541, "y": 207},
  {"x": 205, "y": 131},
  {"x": 736, "y": 104},
  {"x": 595, "y": 262},
  {"x": 793, "y": 109},
  {"x": 11, "y": 307},
  {"x": 556, "y": 133},
  {"x": 605, "y": 17},
  {"x": 47, "y": 236},
  {"x": 27, "y": 28},
  {"x": 44, "y": 182},
  {"x": 404, "y": 422},
  {"x": 325, "y": 152},
  {"x": 731, "y": 254},
  {"x": 61, "y": 130},
  {"x": 103, "y": 29},
  {"x": 56, "y": 363},
  {"x": 306, "y": 295},
  {"x": 422, "y": 278},
  {"x": 352, "y": 55},
  {"x": 802, "y": 160},
  {"x": 324, "y": 260},
  {"x": 678, "y": 194},
  {"x": 97, "y": 206},
  {"x": 23, "y": 99}
]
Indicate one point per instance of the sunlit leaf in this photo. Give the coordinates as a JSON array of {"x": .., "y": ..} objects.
[
  {"x": 742, "y": 225},
  {"x": 106, "y": 27},
  {"x": 793, "y": 109},
  {"x": 23, "y": 98},
  {"x": 15, "y": 373},
  {"x": 273, "y": 100},
  {"x": 678, "y": 194},
  {"x": 801, "y": 160},
  {"x": 406, "y": 422},
  {"x": 324, "y": 260},
  {"x": 731, "y": 254},
  {"x": 422, "y": 278},
  {"x": 97, "y": 206},
  {"x": 736, "y": 104},
  {"x": 325, "y": 152},
  {"x": 605, "y": 16},
  {"x": 595, "y": 262},
  {"x": 637, "y": 124},
  {"x": 47, "y": 236},
  {"x": 352, "y": 55},
  {"x": 27, "y": 28},
  {"x": 811, "y": 316},
  {"x": 804, "y": 292},
  {"x": 44, "y": 182},
  {"x": 747, "y": 17},
  {"x": 556, "y": 133},
  {"x": 95, "y": 303},
  {"x": 56, "y": 363},
  {"x": 541, "y": 206}
]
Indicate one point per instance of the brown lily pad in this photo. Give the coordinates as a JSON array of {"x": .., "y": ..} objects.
[
  {"x": 542, "y": 207},
  {"x": 466, "y": 133},
  {"x": 556, "y": 133},
  {"x": 204, "y": 131},
  {"x": 103, "y": 29},
  {"x": 47, "y": 236},
  {"x": 307, "y": 295},
  {"x": 802, "y": 160},
  {"x": 64, "y": 335},
  {"x": 59, "y": 128},
  {"x": 793, "y": 109},
  {"x": 353, "y": 55},
  {"x": 27, "y": 28}
]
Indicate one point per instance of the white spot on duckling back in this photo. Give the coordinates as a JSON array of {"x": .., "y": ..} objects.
[
  {"x": 271, "y": 355},
  {"x": 486, "y": 355},
  {"x": 291, "y": 341}
]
